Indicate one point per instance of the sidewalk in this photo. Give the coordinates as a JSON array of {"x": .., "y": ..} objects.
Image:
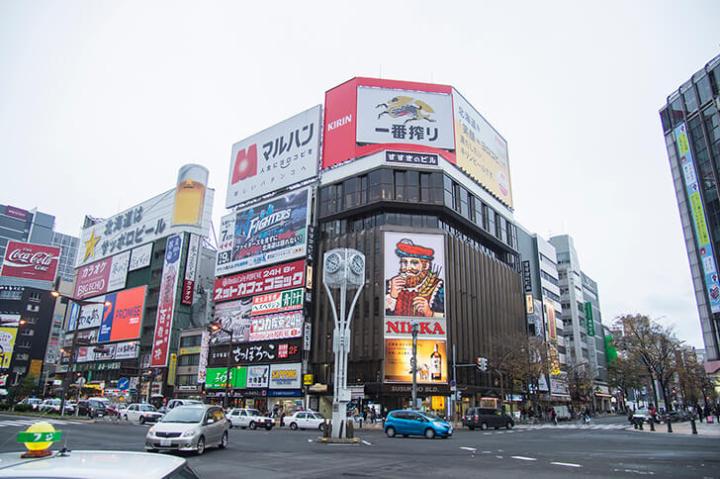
[{"x": 703, "y": 429}]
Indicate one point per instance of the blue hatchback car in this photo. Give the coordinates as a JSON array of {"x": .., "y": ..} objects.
[{"x": 415, "y": 423}]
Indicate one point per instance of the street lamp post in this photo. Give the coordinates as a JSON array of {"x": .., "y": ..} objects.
[
  {"x": 214, "y": 328},
  {"x": 73, "y": 344},
  {"x": 415, "y": 331}
]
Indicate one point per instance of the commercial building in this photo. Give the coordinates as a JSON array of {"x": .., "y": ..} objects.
[
  {"x": 691, "y": 125},
  {"x": 582, "y": 322},
  {"x": 543, "y": 307},
  {"x": 137, "y": 286}
]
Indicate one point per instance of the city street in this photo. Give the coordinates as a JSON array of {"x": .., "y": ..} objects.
[{"x": 603, "y": 449}]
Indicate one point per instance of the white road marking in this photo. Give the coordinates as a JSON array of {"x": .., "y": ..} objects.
[
  {"x": 568, "y": 464},
  {"x": 499, "y": 457},
  {"x": 523, "y": 458},
  {"x": 486, "y": 433},
  {"x": 367, "y": 443},
  {"x": 486, "y": 452},
  {"x": 309, "y": 440},
  {"x": 471, "y": 449}
]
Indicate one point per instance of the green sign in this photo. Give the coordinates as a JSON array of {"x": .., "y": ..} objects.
[
  {"x": 216, "y": 378},
  {"x": 39, "y": 436},
  {"x": 291, "y": 298},
  {"x": 589, "y": 322}
]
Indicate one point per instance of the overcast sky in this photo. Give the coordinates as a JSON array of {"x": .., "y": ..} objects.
[{"x": 101, "y": 102}]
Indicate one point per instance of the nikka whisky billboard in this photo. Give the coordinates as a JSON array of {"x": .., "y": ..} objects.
[{"x": 415, "y": 293}]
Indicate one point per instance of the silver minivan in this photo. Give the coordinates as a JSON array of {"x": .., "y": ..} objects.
[{"x": 189, "y": 428}]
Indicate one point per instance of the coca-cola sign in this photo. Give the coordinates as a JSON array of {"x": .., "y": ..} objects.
[{"x": 30, "y": 261}]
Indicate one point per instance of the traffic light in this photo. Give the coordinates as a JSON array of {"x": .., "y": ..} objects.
[{"x": 482, "y": 363}]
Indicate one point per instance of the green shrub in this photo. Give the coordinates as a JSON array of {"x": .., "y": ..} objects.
[{"x": 23, "y": 407}]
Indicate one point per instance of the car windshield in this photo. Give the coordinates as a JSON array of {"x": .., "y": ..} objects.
[
  {"x": 148, "y": 407},
  {"x": 185, "y": 415},
  {"x": 253, "y": 412},
  {"x": 434, "y": 417}
]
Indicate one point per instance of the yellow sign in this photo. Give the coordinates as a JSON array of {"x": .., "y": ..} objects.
[
  {"x": 172, "y": 369},
  {"x": 7, "y": 343},
  {"x": 438, "y": 403},
  {"x": 308, "y": 379},
  {"x": 431, "y": 361},
  {"x": 529, "y": 304},
  {"x": 35, "y": 368},
  {"x": 38, "y": 438},
  {"x": 189, "y": 350}
]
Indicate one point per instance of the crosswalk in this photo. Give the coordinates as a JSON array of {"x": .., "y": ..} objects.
[
  {"x": 28, "y": 422},
  {"x": 602, "y": 427}
]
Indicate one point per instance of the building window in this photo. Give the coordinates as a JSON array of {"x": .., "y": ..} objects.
[
  {"x": 677, "y": 114},
  {"x": 665, "y": 118},
  {"x": 33, "y": 308},
  {"x": 691, "y": 101},
  {"x": 189, "y": 341},
  {"x": 704, "y": 89},
  {"x": 34, "y": 297},
  {"x": 11, "y": 295},
  {"x": 27, "y": 332},
  {"x": 189, "y": 360}
]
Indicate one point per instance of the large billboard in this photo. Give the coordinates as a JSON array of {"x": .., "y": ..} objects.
[
  {"x": 697, "y": 213},
  {"x": 285, "y": 376},
  {"x": 278, "y": 157},
  {"x": 141, "y": 224},
  {"x": 365, "y": 115},
  {"x": 266, "y": 233},
  {"x": 386, "y": 115},
  {"x": 166, "y": 302},
  {"x": 481, "y": 152},
  {"x": 7, "y": 343},
  {"x": 262, "y": 280},
  {"x": 283, "y": 350},
  {"x": 30, "y": 261},
  {"x": 280, "y": 302},
  {"x": 100, "y": 277},
  {"x": 122, "y": 318},
  {"x": 415, "y": 293},
  {"x": 233, "y": 316},
  {"x": 414, "y": 275}
]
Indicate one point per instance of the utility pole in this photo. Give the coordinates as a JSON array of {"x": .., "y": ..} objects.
[{"x": 413, "y": 362}]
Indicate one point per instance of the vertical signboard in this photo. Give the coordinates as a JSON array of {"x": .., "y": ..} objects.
[
  {"x": 166, "y": 302},
  {"x": 415, "y": 292},
  {"x": 481, "y": 151},
  {"x": 30, "y": 261},
  {"x": 188, "y": 289},
  {"x": 203, "y": 360},
  {"x": 697, "y": 213},
  {"x": 7, "y": 344},
  {"x": 551, "y": 324},
  {"x": 589, "y": 321}
]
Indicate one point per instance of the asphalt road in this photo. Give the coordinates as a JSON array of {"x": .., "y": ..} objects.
[{"x": 600, "y": 450}]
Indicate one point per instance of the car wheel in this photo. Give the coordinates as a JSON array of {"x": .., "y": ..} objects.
[
  {"x": 125, "y": 417},
  {"x": 321, "y": 426},
  {"x": 390, "y": 431},
  {"x": 406, "y": 435},
  {"x": 509, "y": 425},
  {"x": 141, "y": 420},
  {"x": 200, "y": 446},
  {"x": 224, "y": 441},
  {"x": 497, "y": 427},
  {"x": 269, "y": 427},
  {"x": 429, "y": 433},
  {"x": 293, "y": 426},
  {"x": 252, "y": 425},
  {"x": 472, "y": 428},
  {"x": 483, "y": 426}
]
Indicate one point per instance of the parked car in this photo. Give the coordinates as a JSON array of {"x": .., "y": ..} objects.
[
  {"x": 91, "y": 464},
  {"x": 189, "y": 428},
  {"x": 53, "y": 406},
  {"x": 34, "y": 403},
  {"x": 676, "y": 416},
  {"x": 415, "y": 423},
  {"x": 92, "y": 407},
  {"x": 304, "y": 420},
  {"x": 250, "y": 418},
  {"x": 482, "y": 418},
  {"x": 642, "y": 415},
  {"x": 173, "y": 403},
  {"x": 142, "y": 413}
]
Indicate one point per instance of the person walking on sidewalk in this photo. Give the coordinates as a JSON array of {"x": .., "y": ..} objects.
[{"x": 553, "y": 416}]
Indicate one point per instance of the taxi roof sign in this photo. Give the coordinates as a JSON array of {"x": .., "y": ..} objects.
[{"x": 38, "y": 438}]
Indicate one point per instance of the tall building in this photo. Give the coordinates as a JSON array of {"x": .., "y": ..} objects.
[
  {"x": 69, "y": 247},
  {"x": 582, "y": 321},
  {"x": 541, "y": 285},
  {"x": 691, "y": 124}
]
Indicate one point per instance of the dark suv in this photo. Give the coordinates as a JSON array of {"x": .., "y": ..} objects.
[
  {"x": 91, "y": 408},
  {"x": 483, "y": 418}
]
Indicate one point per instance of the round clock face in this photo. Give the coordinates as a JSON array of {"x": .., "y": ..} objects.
[
  {"x": 332, "y": 263},
  {"x": 357, "y": 264}
]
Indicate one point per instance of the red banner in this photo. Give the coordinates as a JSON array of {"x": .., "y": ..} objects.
[
  {"x": 92, "y": 279},
  {"x": 263, "y": 280},
  {"x": 166, "y": 302},
  {"x": 30, "y": 261}
]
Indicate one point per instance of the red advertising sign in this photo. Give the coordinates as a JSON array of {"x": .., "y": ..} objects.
[
  {"x": 340, "y": 142},
  {"x": 92, "y": 279},
  {"x": 30, "y": 261},
  {"x": 127, "y": 318},
  {"x": 263, "y": 280},
  {"x": 166, "y": 303}
]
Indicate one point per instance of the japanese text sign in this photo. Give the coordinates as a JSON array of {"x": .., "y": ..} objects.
[
  {"x": 166, "y": 302},
  {"x": 263, "y": 280}
]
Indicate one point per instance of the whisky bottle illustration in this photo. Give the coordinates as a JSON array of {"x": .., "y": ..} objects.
[{"x": 436, "y": 365}]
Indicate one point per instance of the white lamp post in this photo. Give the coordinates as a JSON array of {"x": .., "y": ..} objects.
[{"x": 343, "y": 269}]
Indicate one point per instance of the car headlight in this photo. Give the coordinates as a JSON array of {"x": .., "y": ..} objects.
[
  {"x": 189, "y": 433},
  {"x": 151, "y": 431}
]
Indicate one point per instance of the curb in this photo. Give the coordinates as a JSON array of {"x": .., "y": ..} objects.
[{"x": 46, "y": 416}]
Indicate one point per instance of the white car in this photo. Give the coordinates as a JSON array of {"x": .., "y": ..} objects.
[
  {"x": 34, "y": 403},
  {"x": 93, "y": 464},
  {"x": 53, "y": 405},
  {"x": 141, "y": 413},
  {"x": 250, "y": 418},
  {"x": 304, "y": 420}
]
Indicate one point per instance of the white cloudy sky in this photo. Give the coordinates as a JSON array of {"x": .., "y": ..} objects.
[{"x": 101, "y": 102}]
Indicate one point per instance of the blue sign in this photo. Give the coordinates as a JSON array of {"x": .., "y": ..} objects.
[
  {"x": 107, "y": 320},
  {"x": 295, "y": 393},
  {"x": 173, "y": 249},
  {"x": 123, "y": 384}
]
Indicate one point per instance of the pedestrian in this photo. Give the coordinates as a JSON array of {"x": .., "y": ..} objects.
[
  {"x": 372, "y": 416},
  {"x": 707, "y": 413},
  {"x": 717, "y": 413},
  {"x": 553, "y": 416},
  {"x": 699, "y": 412}
]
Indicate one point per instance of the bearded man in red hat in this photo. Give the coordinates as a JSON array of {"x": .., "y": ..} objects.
[{"x": 418, "y": 289}]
